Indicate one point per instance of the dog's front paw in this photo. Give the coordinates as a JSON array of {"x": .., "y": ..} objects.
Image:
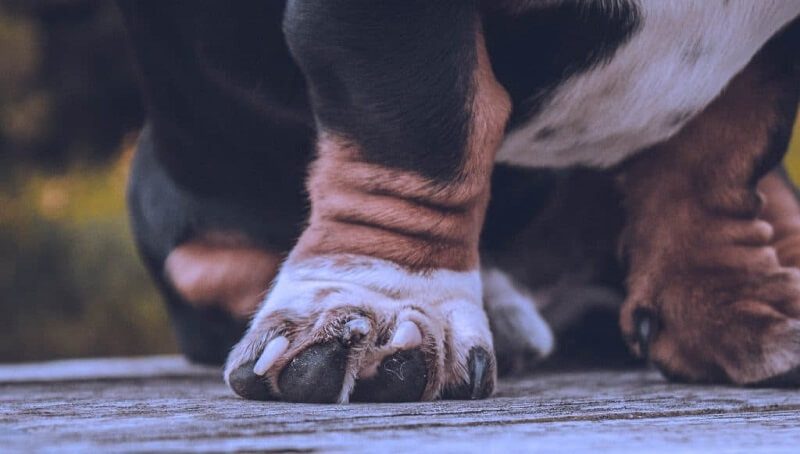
[
  {"x": 351, "y": 328},
  {"x": 718, "y": 303},
  {"x": 718, "y": 328}
]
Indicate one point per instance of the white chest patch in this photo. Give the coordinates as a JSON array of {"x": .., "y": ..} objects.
[{"x": 681, "y": 57}]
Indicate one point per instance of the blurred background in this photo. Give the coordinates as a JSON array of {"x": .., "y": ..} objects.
[
  {"x": 70, "y": 281},
  {"x": 71, "y": 284}
]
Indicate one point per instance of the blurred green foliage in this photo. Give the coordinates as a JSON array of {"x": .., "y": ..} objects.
[
  {"x": 70, "y": 281},
  {"x": 792, "y": 160}
]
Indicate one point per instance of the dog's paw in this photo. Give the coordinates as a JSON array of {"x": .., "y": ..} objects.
[
  {"x": 350, "y": 328},
  {"x": 714, "y": 279},
  {"x": 522, "y": 337},
  {"x": 713, "y": 330}
]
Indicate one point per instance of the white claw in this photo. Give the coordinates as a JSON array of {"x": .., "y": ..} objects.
[
  {"x": 274, "y": 349},
  {"x": 406, "y": 336},
  {"x": 356, "y": 327}
]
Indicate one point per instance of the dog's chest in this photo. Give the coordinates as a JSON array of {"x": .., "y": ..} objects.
[{"x": 680, "y": 56}]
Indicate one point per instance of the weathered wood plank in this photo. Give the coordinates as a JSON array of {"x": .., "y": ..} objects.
[
  {"x": 102, "y": 368},
  {"x": 623, "y": 411}
]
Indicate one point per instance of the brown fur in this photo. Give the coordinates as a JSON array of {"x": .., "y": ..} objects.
[
  {"x": 367, "y": 209},
  {"x": 715, "y": 270},
  {"x": 222, "y": 270},
  {"x": 782, "y": 211}
]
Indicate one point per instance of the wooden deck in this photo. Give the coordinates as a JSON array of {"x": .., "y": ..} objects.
[{"x": 163, "y": 404}]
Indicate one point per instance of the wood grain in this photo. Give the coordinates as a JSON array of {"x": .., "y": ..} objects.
[{"x": 190, "y": 409}]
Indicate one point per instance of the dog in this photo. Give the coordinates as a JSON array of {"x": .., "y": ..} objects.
[{"x": 400, "y": 195}]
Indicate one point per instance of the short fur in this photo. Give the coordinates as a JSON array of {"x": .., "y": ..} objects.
[{"x": 408, "y": 116}]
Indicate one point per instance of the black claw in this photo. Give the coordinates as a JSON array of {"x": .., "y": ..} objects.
[
  {"x": 247, "y": 384},
  {"x": 481, "y": 383},
  {"x": 480, "y": 367},
  {"x": 646, "y": 325},
  {"x": 315, "y": 375},
  {"x": 401, "y": 377}
]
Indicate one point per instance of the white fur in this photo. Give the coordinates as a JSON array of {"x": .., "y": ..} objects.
[
  {"x": 515, "y": 310},
  {"x": 651, "y": 82},
  {"x": 367, "y": 277},
  {"x": 450, "y": 300},
  {"x": 778, "y": 356}
]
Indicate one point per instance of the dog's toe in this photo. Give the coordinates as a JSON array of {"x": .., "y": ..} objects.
[
  {"x": 480, "y": 382},
  {"x": 401, "y": 377},
  {"x": 316, "y": 374},
  {"x": 247, "y": 384}
]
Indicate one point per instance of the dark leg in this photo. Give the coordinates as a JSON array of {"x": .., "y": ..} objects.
[
  {"x": 384, "y": 280},
  {"x": 215, "y": 195}
]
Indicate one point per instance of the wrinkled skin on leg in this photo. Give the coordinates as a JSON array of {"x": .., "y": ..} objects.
[
  {"x": 217, "y": 202},
  {"x": 381, "y": 300}
]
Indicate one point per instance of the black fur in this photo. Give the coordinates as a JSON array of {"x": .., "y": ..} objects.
[
  {"x": 393, "y": 76},
  {"x": 226, "y": 103},
  {"x": 231, "y": 130},
  {"x": 229, "y": 138},
  {"x": 781, "y": 63},
  {"x": 533, "y": 52}
]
